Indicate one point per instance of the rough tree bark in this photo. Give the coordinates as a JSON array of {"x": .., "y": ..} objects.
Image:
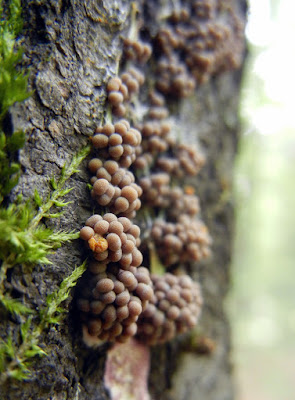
[{"x": 72, "y": 47}]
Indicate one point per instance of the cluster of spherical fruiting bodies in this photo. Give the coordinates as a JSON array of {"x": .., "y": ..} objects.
[
  {"x": 113, "y": 300},
  {"x": 186, "y": 160},
  {"x": 174, "y": 78},
  {"x": 137, "y": 51},
  {"x": 157, "y": 192},
  {"x": 174, "y": 309},
  {"x": 208, "y": 37},
  {"x": 119, "y": 298},
  {"x": 120, "y": 90},
  {"x": 114, "y": 187},
  {"x": 156, "y": 139},
  {"x": 182, "y": 203},
  {"x": 113, "y": 239},
  {"x": 185, "y": 240},
  {"x": 118, "y": 142}
]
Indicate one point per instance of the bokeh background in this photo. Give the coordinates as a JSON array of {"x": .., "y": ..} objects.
[{"x": 262, "y": 300}]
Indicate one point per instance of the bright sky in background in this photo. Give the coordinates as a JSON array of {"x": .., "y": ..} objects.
[{"x": 275, "y": 65}]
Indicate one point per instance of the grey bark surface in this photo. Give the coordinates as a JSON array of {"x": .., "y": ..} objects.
[{"x": 72, "y": 47}]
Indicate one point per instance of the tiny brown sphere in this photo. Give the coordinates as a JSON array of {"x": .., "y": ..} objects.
[
  {"x": 114, "y": 241},
  {"x": 111, "y": 166},
  {"x": 108, "y": 129},
  {"x": 173, "y": 312},
  {"x": 136, "y": 257},
  {"x": 121, "y": 128},
  {"x": 100, "y": 186},
  {"x": 114, "y": 84},
  {"x": 119, "y": 111},
  {"x": 121, "y": 204},
  {"x": 118, "y": 176},
  {"x": 128, "y": 247},
  {"x": 101, "y": 227},
  {"x": 115, "y": 256},
  {"x": 94, "y": 164},
  {"x": 173, "y": 295},
  {"x": 105, "y": 285},
  {"x": 119, "y": 287},
  {"x": 102, "y": 173},
  {"x": 144, "y": 291},
  {"x": 109, "y": 314},
  {"x": 131, "y": 329},
  {"x": 115, "y": 98},
  {"x": 134, "y": 230},
  {"x": 108, "y": 298},
  {"x": 96, "y": 307},
  {"x": 122, "y": 312},
  {"x": 126, "y": 261},
  {"x": 127, "y": 278},
  {"x": 115, "y": 139},
  {"x": 116, "y": 227},
  {"x": 123, "y": 298},
  {"x": 97, "y": 267},
  {"x": 129, "y": 193},
  {"x": 104, "y": 200},
  {"x": 116, "y": 151},
  {"x": 101, "y": 256},
  {"x": 100, "y": 141},
  {"x": 86, "y": 233},
  {"x": 110, "y": 217},
  {"x": 91, "y": 221},
  {"x": 135, "y": 308}
]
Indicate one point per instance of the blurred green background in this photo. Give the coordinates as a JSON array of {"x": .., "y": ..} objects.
[{"x": 262, "y": 300}]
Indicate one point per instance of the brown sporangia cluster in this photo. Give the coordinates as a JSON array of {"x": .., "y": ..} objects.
[
  {"x": 113, "y": 300},
  {"x": 121, "y": 90},
  {"x": 136, "y": 51},
  {"x": 114, "y": 187},
  {"x": 174, "y": 77},
  {"x": 198, "y": 41},
  {"x": 117, "y": 141},
  {"x": 174, "y": 309},
  {"x": 142, "y": 167},
  {"x": 113, "y": 239},
  {"x": 186, "y": 240}
]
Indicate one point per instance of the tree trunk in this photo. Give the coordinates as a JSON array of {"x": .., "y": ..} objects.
[{"x": 71, "y": 49}]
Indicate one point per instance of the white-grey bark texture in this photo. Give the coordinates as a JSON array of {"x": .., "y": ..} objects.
[{"x": 72, "y": 48}]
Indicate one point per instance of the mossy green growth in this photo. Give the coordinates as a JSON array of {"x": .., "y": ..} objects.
[
  {"x": 13, "y": 82},
  {"x": 25, "y": 241},
  {"x": 15, "y": 360},
  {"x": 13, "y": 88}
]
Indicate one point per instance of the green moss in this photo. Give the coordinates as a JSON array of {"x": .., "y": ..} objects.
[
  {"x": 25, "y": 241},
  {"x": 13, "y": 88},
  {"x": 15, "y": 360}
]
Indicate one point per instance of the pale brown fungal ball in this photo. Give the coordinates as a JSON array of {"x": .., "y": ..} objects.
[
  {"x": 110, "y": 301},
  {"x": 119, "y": 141},
  {"x": 165, "y": 315},
  {"x": 86, "y": 233},
  {"x": 116, "y": 188},
  {"x": 136, "y": 50},
  {"x": 113, "y": 239},
  {"x": 185, "y": 240}
]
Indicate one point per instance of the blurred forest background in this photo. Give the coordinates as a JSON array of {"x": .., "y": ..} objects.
[{"x": 262, "y": 301}]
